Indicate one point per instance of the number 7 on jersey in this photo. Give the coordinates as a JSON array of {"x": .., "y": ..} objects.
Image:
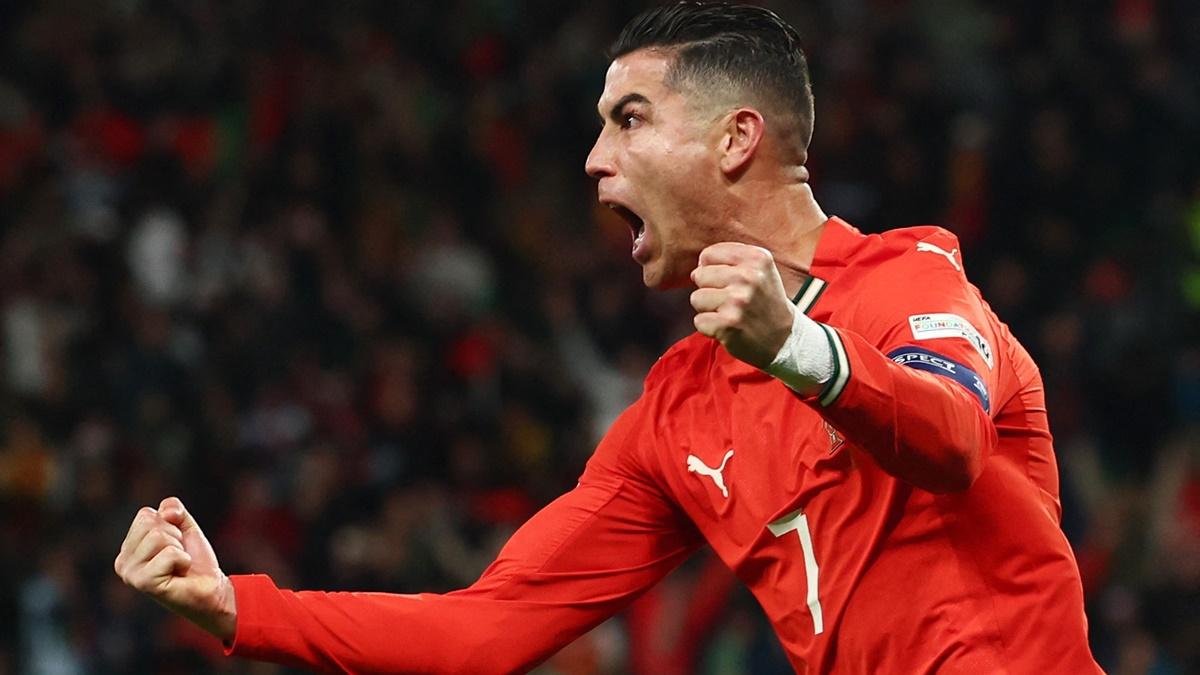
[{"x": 797, "y": 521}]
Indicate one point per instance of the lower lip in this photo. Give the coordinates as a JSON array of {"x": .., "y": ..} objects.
[{"x": 641, "y": 247}]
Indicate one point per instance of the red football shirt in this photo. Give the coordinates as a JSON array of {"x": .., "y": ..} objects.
[{"x": 844, "y": 513}]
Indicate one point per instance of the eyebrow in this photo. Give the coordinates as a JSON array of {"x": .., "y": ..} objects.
[{"x": 614, "y": 113}]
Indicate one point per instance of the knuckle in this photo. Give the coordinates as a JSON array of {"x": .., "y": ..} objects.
[{"x": 159, "y": 539}]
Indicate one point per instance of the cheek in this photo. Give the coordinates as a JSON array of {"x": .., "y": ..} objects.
[
  {"x": 672, "y": 176},
  {"x": 646, "y": 160},
  {"x": 688, "y": 190}
]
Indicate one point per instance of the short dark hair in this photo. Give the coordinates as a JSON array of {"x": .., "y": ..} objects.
[{"x": 743, "y": 45}]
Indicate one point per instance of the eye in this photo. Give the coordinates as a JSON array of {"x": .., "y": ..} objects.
[{"x": 629, "y": 120}]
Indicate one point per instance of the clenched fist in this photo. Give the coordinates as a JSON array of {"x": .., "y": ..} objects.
[
  {"x": 740, "y": 301},
  {"x": 166, "y": 556}
]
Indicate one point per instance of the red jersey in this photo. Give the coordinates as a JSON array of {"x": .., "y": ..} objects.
[{"x": 847, "y": 513}]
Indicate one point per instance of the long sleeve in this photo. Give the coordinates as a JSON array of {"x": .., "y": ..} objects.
[
  {"x": 915, "y": 374},
  {"x": 922, "y": 428},
  {"x": 579, "y": 560}
]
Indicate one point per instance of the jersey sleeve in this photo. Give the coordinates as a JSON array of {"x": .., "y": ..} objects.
[
  {"x": 915, "y": 371},
  {"x": 578, "y": 561}
]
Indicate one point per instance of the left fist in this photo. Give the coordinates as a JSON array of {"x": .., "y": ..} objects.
[{"x": 740, "y": 301}]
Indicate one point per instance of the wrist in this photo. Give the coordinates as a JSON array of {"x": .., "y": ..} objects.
[
  {"x": 805, "y": 361},
  {"x": 220, "y": 616},
  {"x": 225, "y": 619}
]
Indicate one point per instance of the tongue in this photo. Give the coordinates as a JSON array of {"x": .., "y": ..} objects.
[{"x": 640, "y": 250}]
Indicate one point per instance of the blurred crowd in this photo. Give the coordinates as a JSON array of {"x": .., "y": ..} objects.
[{"x": 333, "y": 274}]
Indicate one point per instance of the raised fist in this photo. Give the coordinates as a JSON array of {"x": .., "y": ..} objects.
[
  {"x": 166, "y": 556},
  {"x": 740, "y": 301}
]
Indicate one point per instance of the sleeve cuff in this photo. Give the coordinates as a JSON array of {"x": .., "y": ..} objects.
[
  {"x": 841, "y": 369},
  {"x": 247, "y": 588}
]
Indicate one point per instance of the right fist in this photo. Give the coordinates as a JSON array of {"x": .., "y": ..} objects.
[{"x": 166, "y": 556}]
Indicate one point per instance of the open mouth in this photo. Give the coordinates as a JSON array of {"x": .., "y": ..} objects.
[{"x": 636, "y": 225}]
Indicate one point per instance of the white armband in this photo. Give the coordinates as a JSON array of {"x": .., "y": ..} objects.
[{"x": 805, "y": 361}]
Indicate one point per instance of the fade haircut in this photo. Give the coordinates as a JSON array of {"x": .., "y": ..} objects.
[{"x": 739, "y": 50}]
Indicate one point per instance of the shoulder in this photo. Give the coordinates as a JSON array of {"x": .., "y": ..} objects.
[
  {"x": 911, "y": 275},
  {"x": 685, "y": 364},
  {"x": 912, "y": 262},
  {"x": 901, "y": 236},
  {"x": 926, "y": 246},
  {"x": 891, "y": 261},
  {"x": 631, "y": 446}
]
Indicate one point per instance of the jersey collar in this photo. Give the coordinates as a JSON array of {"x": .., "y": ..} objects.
[
  {"x": 839, "y": 241},
  {"x": 808, "y": 294}
]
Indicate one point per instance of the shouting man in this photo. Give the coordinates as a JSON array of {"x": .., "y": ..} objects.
[{"x": 851, "y": 429}]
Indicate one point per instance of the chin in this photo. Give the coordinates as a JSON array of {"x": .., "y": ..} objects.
[
  {"x": 649, "y": 278},
  {"x": 654, "y": 276}
]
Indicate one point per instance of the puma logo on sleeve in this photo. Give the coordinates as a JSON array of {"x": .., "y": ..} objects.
[{"x": 926, "y": 247}]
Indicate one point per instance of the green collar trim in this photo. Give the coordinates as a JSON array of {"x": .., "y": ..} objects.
[{"x": 807, "y": 296}]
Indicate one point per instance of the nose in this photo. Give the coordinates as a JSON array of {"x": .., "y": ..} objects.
[{"x": 599, "y": 160}]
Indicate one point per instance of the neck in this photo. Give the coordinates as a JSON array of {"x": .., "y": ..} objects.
[{"x": 788, "y": 222}]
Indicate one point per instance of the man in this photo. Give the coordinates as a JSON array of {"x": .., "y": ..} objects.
[{"x": 851, "y": 429}]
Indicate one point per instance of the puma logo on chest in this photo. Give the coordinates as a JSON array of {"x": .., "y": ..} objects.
[{"x": 697, "y": 466}]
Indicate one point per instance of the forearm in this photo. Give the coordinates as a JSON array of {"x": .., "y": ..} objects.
[
  {"x": 922, "y": 428},
  {"x": 376, "y": 632}
]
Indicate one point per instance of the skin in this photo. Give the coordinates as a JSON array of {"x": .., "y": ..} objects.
[
  {"x": 726, "y": 207},
  {"x": 166, "y": 556},
  {"x": 726, "y": 204}
]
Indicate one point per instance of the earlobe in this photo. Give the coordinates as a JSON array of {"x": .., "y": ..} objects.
[{"x": 744, "y": 129}]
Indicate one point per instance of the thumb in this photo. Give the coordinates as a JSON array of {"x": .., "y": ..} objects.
[{"x": 173, "y": 511}]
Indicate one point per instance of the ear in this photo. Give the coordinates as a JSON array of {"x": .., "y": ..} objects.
[{"x": 744, "y": 129}]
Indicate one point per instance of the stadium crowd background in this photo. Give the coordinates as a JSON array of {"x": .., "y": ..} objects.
[{"x": 333, "y": 273}]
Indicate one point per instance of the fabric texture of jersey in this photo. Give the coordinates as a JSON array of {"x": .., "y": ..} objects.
[{"x": 904, "y": 520}]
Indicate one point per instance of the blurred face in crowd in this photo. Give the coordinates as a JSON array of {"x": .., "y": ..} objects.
[{"x": 656, "y": 161}]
